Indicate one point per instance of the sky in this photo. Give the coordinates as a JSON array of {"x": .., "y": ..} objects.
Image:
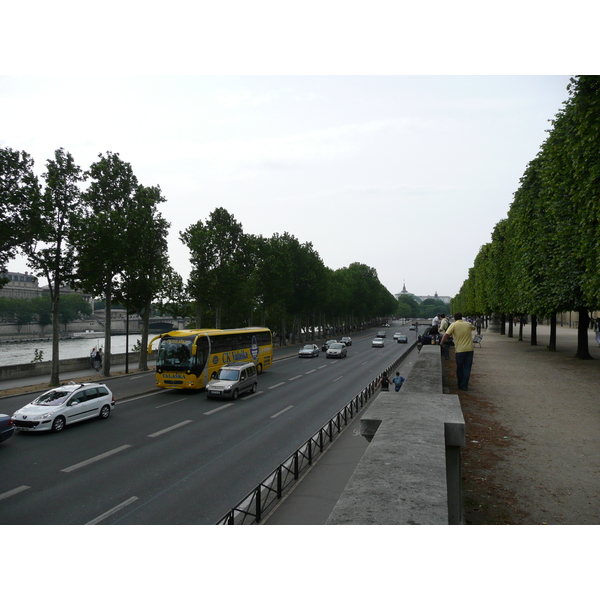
[
  {"x": 396, "y": 147},
  {"x": 406, "y": 174}
]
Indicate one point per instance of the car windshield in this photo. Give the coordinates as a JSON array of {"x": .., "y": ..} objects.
[
  {"x": 228, "y": 375},
  {"x": 308, "y": 347},
  {"x": 52, "y": 398},
  {"x": 336, "y": 346},
  {"x": 331, "y": 341}
]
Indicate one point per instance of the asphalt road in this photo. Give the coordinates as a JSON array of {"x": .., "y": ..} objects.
[{"x": 171, "y": 457}]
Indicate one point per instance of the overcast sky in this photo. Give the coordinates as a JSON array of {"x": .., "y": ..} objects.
[{"x": 407, "y": 172}]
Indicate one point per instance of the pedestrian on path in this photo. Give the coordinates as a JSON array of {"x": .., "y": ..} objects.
[
  {"x": 398, "y": 381},
  {"x": 463, "y": 349}
]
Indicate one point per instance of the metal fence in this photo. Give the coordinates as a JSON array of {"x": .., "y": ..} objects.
[{"x": 266, "y": 495}]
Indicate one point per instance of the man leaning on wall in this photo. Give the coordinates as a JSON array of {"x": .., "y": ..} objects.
[{"x": 463, "y": 348}]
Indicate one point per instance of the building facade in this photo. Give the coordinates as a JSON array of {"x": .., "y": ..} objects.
[{"x": 20, "y": 285}]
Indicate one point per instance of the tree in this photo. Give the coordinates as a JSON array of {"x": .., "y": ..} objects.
[
  {"x": 146, "y": 258},
  {"x": 51, "y": 254},
  {"x": 99, "y": 235},
  {"x": 19, "y": 203},
  {"x": 217, "y": 256},
  {"x": 72, "y": 308}
]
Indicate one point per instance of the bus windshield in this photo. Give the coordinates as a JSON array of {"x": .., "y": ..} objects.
[{"x": 175, "y": 353}]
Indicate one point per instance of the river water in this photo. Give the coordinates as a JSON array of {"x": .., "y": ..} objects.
[{"x": 17, "y": 353}]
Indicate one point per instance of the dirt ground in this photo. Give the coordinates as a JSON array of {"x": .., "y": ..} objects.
[{"x": 533, "y": 428}]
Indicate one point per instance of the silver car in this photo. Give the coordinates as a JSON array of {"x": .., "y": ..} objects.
[
  {"x": 67, "y": 404},
  {"x": 232, "y": 380},
  {"x": 336, "y": 350},
  {"x": 309, "y": 350},
  {"x": 377, "y": 343}
]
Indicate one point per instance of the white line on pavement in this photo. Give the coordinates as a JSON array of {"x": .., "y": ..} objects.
[
  {"x": 276, "y": 385},
  {"x": 342, "y": 377},
  {"x": 169, "y": 428},
  {"x": 21, "y": 488},
  {"x": 281, "y": 412},
  {"x": 309, "y": 372},
  {"x": 112, "y": 511},
  {"x": 297, "y": 377},
  {"x": 139, "y": 397},
  {"x": 173, "y": 402},
  {"x": 210, "y": 412},
  {"x": 95, "y": 458}
]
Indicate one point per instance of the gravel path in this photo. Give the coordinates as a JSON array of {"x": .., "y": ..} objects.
[{"x": 533, "y": 431}]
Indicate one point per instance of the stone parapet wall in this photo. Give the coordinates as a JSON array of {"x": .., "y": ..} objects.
[{"x": 410, "y": 472}]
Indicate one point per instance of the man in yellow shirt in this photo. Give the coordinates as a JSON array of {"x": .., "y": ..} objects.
[{"x": 463, "y": 342}]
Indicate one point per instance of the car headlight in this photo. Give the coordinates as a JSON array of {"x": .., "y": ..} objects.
[{"x": 45, "y": 416}]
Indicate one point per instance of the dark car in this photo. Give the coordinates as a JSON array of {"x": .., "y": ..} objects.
[
  {"x": 402, "y": 339},
  {"x": 6, "y": 427},
  {"x": 328, "y": 343}
]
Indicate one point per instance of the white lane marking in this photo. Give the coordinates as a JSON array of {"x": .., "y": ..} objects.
[
  {"x": 139, "y": 397},
  {"x": 322, "y": 367},
  {"x": 210, "y": 412},
  {"x": 95, "y": 458},
  {"x": 281, "y": 412},
  {"x": 112, "y": 511},
  {"x": 276, "y": 385},
  {"x": 297, "y": 377},
  {"x": 309, "y": 372},
  {"x": 21, "y": 488},
  {"x": 156, "y": 434},
  {"x": 173, "y": 402},
  {"x": 341, "y": 377}
]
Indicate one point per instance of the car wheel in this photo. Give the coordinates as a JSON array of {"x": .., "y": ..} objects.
[
  {"x": 59, "y": 424},
  {"x": 254, "y": 388},
  {"x": 236, "y": 393},
  {"x": 259, "y": 368},
  {"x": 105, "y": 412}
]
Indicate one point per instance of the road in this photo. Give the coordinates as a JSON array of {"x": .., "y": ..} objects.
[{"x": 171, "y": 457}]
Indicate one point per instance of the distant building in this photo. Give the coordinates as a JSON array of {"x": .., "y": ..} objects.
[
  {"x": 419, "y": 299},
  {"x": 20, "y": 285}
]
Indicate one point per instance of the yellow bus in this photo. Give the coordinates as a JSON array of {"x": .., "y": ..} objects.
[{"x": 187, "y": 358}]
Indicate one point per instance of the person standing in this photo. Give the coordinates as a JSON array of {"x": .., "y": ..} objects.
[
  {"x": 445, "y": 323},
  {"x": 478, "y": 323},
  {"x": 463, "y": 349}
]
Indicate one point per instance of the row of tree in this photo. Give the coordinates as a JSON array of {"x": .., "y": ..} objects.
[
  {"x": 544, "y": 257},
  {"x": 107, "y": 239},
  {"x": 23, "y": 311},
  {"x": 278, "y": 282},
  {"x": 110, "y": 240}
]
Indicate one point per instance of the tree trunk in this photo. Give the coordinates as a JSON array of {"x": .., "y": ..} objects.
[
  {"x": 510, "y": 326},
  {"x": 521, "y": 319},
  {"x": 552, "y": 344},
  {"x": 582, "y": 335},
  {"x": 54, "y": 373},
  {"x": 107, "y": 330},
  {"x": 502, "y": 324},
  {"x": 533, "y": 330},
  {"x": 145, "y": 330}
]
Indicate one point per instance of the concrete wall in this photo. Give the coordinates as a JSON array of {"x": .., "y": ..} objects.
[
  {"x": 65, "y": 365},
  {"x": 410, "y": 472}
]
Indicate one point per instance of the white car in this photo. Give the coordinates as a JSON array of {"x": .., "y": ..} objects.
[
  {"x": 65, "y": 405},
  {"x": 397, "y": 335},
  {"x": 378, "y": 343}
]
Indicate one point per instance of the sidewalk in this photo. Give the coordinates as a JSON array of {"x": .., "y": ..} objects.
[{"x": 549, "y": 466}]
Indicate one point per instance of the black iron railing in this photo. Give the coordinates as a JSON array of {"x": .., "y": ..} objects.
[{"x": 264, "y": 497}]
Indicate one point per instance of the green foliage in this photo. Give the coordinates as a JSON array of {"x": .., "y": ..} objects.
[
  {"x": 20, "y": 219},
  {"x": 544, "y": 257}
]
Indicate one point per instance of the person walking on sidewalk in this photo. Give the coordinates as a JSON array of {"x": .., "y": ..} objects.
[{"x": 463, "y": 348}]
